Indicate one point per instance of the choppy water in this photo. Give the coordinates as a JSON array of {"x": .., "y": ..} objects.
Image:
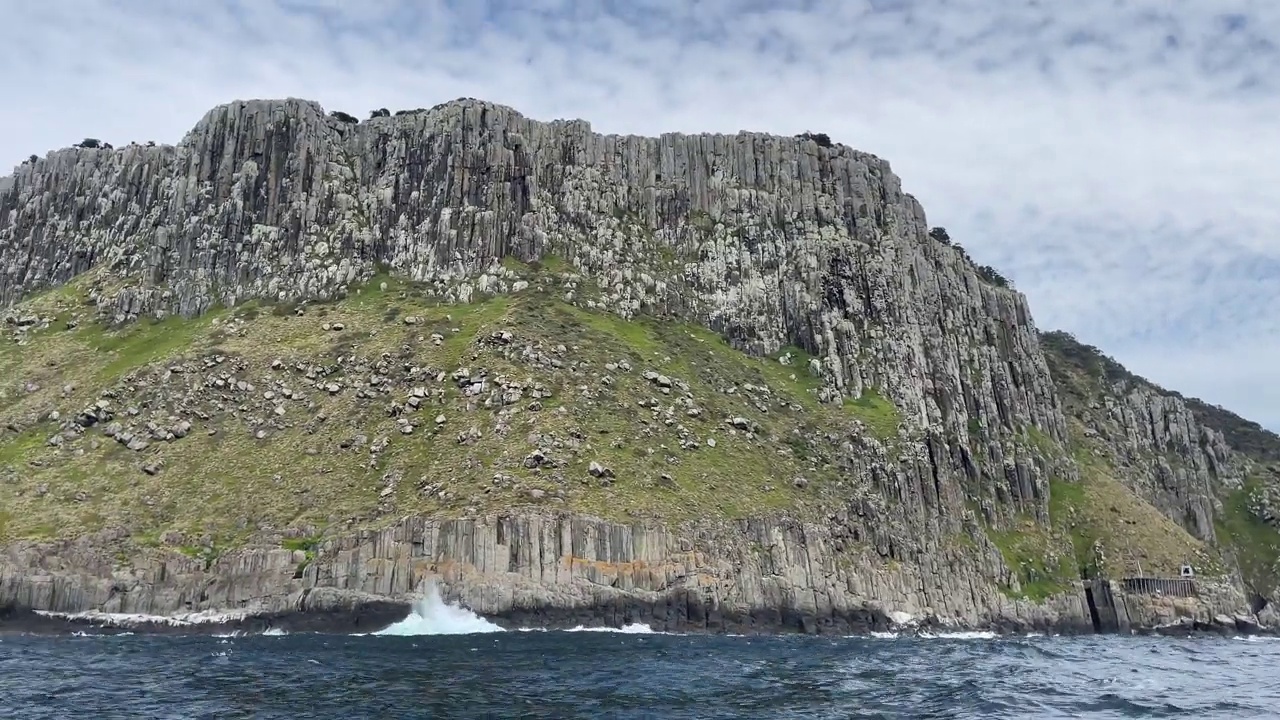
[{"x": 421, "y": 669}]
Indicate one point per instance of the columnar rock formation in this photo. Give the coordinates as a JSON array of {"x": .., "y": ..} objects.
[{"x": 769, "y": 241}]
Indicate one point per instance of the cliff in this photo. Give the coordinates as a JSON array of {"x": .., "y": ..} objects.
[{"x": 298, "y": 366}]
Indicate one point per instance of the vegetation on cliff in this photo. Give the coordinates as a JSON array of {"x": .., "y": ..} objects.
[{"x": 387, "y": 402}]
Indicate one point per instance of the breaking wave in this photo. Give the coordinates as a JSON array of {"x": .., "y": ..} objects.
[{"x": 433, "y": 616}]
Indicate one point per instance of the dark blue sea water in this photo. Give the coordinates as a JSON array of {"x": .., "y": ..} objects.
[{"x": 629, "y": 675}]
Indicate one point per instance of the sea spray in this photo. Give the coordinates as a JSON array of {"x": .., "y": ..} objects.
[
  {"x": 433, "y": 616},
  {"x": 632, "y": 629}
]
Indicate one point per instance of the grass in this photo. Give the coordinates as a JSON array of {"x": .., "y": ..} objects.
[
  {"x": 880, "y": 416},
  {"x": 145, "y": 341},
  {"x": 1135, "y": 539},
  {"x": 246, "y": 470},
  {"x": 1034, "y": 556},
  {"x": 15, "y": 450},
  {"x": 1254, "y": 543}
]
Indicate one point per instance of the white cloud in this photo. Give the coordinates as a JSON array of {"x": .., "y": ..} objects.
[{"x": 1118, "y": 160}]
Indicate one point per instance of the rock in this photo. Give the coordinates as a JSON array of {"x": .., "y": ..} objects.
[
  {"x": 535, "y": 459},
  {"x": 597, "y": 470}
]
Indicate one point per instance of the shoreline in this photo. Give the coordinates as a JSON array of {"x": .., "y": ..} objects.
[{"x": 370, "y": 617}]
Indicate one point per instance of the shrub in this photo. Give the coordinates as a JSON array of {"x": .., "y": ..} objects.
[
  {"x": 822, "y": 139},
  {"x": 940, "y": 234},
  {"x": 993, "y": 276},
  {"x": 90, "y": 143},
  {"x": 380, "y": 112},
  {"x": 32, "y": 159},
  {"x": 344, "y": 117}
]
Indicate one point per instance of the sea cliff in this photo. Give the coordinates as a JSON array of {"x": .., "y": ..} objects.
[{"x": 298, "y": 367}]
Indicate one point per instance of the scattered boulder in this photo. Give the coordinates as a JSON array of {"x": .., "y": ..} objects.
[{"x": 536, "y": 459}]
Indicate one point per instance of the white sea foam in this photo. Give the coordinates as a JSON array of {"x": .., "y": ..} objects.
[
  {"x": 632, "y": 629},
  {"x": 902, "y": 618},
  {"x": 950, "y": 635},
  {"x": 136, "y": 619},
  {"x": 961, "y": 635},
  {"x": 433, "y": 616}
]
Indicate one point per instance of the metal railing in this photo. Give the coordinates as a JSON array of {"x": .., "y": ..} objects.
[{"x": 1183, "y": 587}]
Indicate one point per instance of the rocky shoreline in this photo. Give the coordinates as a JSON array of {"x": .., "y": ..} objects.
[
  {"x": 370, "y": 615},
  {"x": 561, "y": 571}
]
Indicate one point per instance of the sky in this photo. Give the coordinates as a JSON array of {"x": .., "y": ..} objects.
[{"x": 1118, "y": 161}]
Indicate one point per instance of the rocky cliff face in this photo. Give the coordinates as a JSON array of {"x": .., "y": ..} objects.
[
  {"x": 1208, "y": 470},
  {"x": 933, "y": 495}
]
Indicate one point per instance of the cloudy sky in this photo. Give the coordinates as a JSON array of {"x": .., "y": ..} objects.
[{"x": 1120, "y": 161}]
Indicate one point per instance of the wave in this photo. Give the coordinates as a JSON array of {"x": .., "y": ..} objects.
[
  {"x": 137, "y": 619},
  {"x": 959, "y": 635},
  {"x": 433, "y": 616},
  {"x": 632, "y": 629},
  {"x": 929, "y": 635},
  {"x": 269, "y": 632}
]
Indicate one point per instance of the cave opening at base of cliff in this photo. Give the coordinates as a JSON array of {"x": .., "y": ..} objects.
[{"x": 1094, "y": 617}]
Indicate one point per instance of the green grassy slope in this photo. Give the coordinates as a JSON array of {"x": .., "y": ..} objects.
[{"x": 264, "y": 419}]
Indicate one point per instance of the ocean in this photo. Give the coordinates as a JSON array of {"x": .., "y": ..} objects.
[{"x": 444, "y": 662}]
